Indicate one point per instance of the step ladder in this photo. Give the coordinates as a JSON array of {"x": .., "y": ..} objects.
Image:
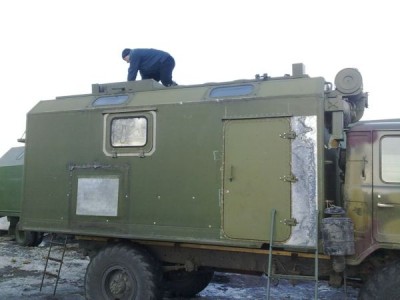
[
  {"x": 292, "y": 276},
  {"x": 60, "y": 261}
]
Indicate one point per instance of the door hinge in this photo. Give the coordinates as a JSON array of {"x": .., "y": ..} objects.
[
  {"x": 288, "y": 135},
  {"x": 288, "y": 178},
  {"x": 290, "y": 222}
]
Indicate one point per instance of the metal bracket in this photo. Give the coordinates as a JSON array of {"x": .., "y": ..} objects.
[
  {"x": 288, "y": 135},
  {"x": 262, "y": 77},
  {"x": 290, "y": 222},
  {"x": 289, "y": 178}
]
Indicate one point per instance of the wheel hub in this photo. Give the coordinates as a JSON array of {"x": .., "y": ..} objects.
[{"x": 119, "y": 285}]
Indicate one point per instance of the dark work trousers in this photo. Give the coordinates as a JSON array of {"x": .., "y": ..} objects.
[{"x": 164, "y": 73}]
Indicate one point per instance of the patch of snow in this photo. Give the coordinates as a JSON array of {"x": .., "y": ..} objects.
[
  {"x": 21, "y": 271},
  {"x": 4, "y": 224}
]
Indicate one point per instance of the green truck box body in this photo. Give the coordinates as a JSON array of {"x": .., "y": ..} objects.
[
  {"x": 202, "y": 163},
  {"x": 208, "y": 169}
]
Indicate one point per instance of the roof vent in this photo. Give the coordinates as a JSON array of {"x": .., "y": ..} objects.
[{"x": 298, "y": 70}]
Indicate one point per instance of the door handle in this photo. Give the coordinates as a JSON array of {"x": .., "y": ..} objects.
[
  {"x": 384, "y": 205},
  {"x": 230, "y": 173}
]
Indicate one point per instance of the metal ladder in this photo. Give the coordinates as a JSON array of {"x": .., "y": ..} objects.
[
  {"x": 57, "y": 260},
  {"x": 292, "y": 276}
]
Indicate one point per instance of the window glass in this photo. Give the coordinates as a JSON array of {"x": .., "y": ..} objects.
[
  {"x": 390, "y": 151},
  {"x": 129, "y": 132},
  {"x": 110, "y": 100},
  {"x": 231, "y": 91}
]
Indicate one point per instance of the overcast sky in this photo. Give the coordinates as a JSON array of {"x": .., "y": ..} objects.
[{"x": 55, "y": 48}]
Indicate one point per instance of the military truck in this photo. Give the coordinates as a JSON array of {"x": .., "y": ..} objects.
[
  {"x": 11, "y": 173},
  {"x": 164, "y": 186}
]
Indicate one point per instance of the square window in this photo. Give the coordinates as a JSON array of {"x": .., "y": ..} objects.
[{"x": 129, "y": 132}]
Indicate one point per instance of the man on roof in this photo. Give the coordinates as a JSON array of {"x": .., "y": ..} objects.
[{"x": 151, "y": 64}]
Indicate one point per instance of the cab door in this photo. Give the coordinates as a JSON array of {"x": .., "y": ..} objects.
[
  {"x": 256, "y": 166},
  {"x": 386, "y": 186}
]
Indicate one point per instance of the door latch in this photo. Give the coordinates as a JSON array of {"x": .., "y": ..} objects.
[
  {"x": 290, "y": 222},
  {"x": 289, "y": 178},
  {"x": 288, "y": 135}
]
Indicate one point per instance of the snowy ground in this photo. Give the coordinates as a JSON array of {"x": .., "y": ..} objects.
[{"x": 21, "y": 271}]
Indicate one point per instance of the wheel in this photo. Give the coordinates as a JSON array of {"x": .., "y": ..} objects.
[
  {"x": 187, "y": 284},
  {"x": 13, "y": 225},
  {"x": 383, "y": 284},
  {"x": 123, "y": 272},
  {"x": 25, "y": 238},
  {"x": 38, "y": 239}
]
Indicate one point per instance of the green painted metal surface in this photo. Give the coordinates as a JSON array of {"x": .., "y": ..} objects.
[
  {"x": 372, "y": 187},
  {"x": 253, "y": 184},
  {"x": 11, "y": 174},
  {"x": 81, "y": 177}
]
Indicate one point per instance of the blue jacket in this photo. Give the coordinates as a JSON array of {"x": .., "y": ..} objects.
[{"x": 146, "y": 61}]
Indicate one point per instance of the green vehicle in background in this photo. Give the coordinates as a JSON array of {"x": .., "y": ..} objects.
[
  {"x": 11, "y": 174},
  {"x": 164, "y": 186}
]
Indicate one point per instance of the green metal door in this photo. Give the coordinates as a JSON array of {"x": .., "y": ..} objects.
[{"x": 257, "y": 178}]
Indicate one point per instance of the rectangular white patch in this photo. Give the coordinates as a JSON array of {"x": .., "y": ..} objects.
[{"x": 97, "y": 196}]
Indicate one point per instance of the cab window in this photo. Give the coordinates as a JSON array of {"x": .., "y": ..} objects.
[{"x": 390, "y": 159}]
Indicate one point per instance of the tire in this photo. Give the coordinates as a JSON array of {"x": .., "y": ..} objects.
[
  {"x": 186, "y": 284},
  {"x": 123, "y": 272},
  {"x": 25, "y": 238},
  {"x": 38, "y": 239},
  {"x": 383, "y": 284}
]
